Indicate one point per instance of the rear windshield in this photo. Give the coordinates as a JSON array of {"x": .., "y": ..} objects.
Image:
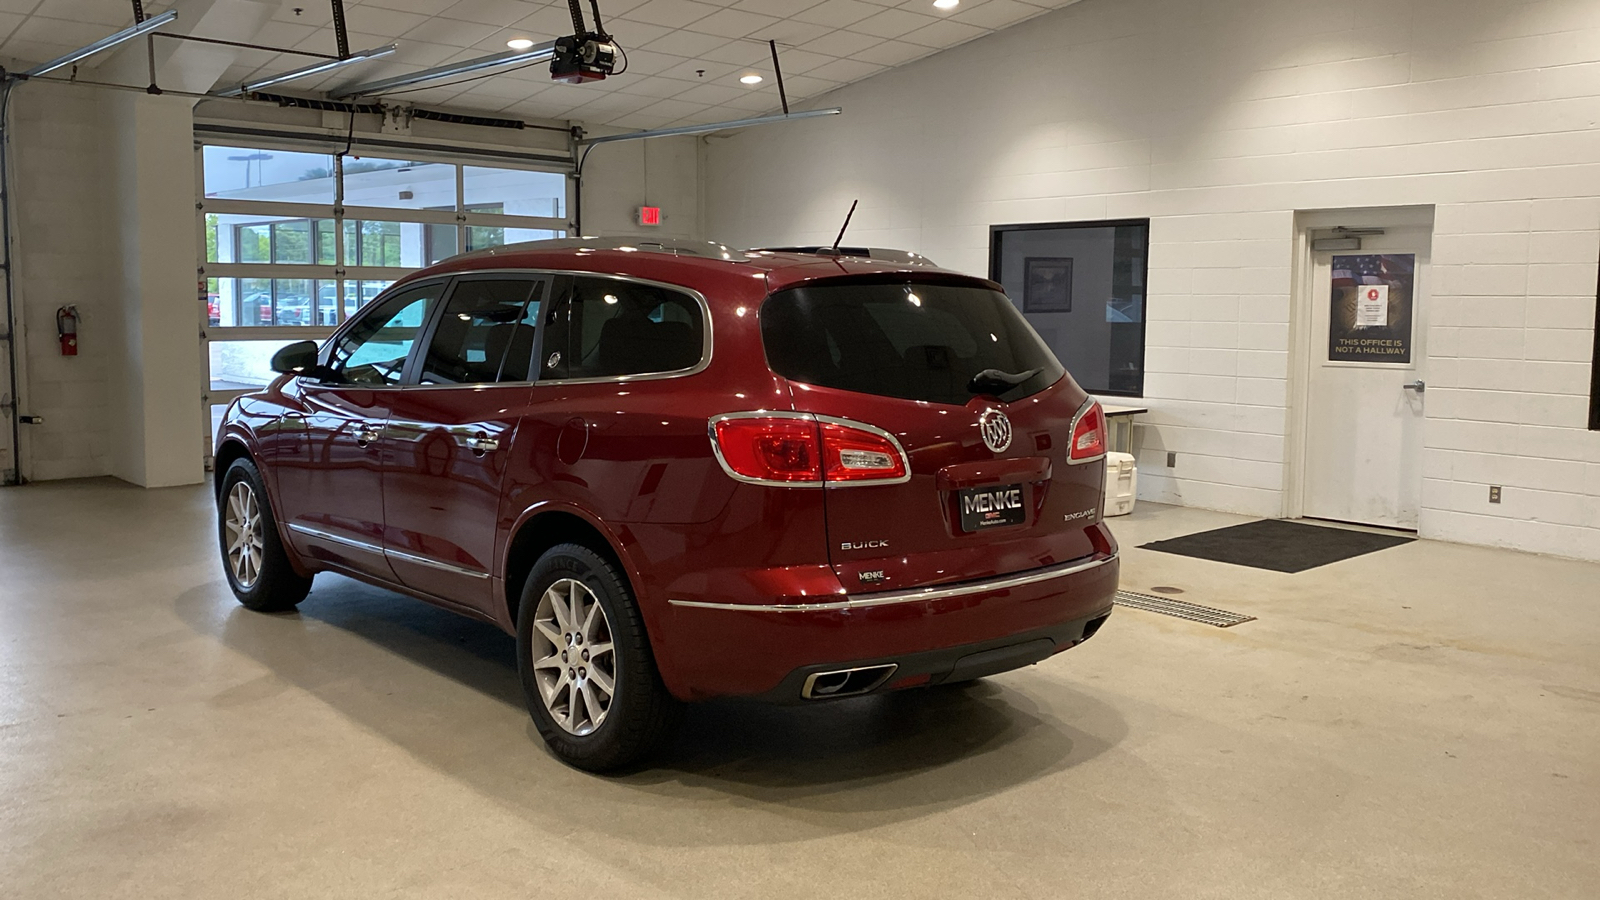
[{"x": 914, "y": 341}]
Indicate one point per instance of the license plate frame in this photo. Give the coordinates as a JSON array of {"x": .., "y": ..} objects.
[{"x": 991, "y": 506}]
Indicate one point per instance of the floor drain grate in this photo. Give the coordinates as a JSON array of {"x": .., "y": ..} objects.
[{"x": 1191, "y": 611}]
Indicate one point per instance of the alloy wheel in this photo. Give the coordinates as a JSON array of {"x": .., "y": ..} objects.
[
  {"x": 574, "y": 664},
  {"x": 243, "y": 523}
]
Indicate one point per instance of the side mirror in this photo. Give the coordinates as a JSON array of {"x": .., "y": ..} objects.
[{"x": 300, "y": 358}]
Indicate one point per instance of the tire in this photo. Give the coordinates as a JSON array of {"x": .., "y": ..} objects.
[
  {"x": 263, "y": 579},
  {"x": 565, "y": 686}
]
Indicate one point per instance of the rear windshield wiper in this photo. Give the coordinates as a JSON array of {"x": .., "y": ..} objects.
[{"x": 994, "y": 381}]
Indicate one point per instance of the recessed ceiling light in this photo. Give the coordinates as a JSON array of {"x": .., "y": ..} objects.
[
  {"x": 750, "y": 79},
  {"x": 524, "y": 43},
  {"x": 946, "y": 4}
]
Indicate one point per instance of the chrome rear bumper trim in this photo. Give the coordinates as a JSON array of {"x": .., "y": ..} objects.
[{"x": 866, "y": 601}]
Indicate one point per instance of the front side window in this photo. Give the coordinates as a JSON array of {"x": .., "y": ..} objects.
[
  {"x": 374, "y": 350},
  {"x": 606, "y": 328},
  {"x": 912, "y": 341},
  {"x": 485, "y": 334}
]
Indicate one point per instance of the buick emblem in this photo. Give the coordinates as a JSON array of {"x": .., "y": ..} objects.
[{"x": 996, "y": 429}]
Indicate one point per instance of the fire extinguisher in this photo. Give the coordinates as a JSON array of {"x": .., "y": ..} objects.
[{"x": 67, "y": 326}]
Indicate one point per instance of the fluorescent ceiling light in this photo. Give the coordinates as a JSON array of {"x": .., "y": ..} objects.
[
  {"x": 537, "y": 53},
  {"x": 519, "y": 43},
  {"x": 750, "y": 79},
  {"x": 313, "y": 69},
  {"x": 148, "y": 25},
  {"x": 706, "y": 129},
  {"x": 946, "y": 4}
]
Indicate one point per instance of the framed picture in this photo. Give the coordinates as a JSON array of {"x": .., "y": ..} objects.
[{"x": 1047, "y": 284}]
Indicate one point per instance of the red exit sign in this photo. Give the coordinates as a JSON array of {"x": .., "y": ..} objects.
[{"x": 649, "y": 215}]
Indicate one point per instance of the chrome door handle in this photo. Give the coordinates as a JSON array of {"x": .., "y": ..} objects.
[
  {"x": 368, "y": 433},
  {"x": 482, "y": 444},
  {"x": 1419, "y": 386}
]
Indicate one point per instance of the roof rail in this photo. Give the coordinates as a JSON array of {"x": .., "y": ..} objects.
[{"x": 672, "y": 246}]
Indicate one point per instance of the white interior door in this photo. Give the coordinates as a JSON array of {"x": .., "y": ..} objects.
[{"x": 1367, "y": 380}]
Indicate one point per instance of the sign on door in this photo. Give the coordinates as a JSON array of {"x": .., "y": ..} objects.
[{"x": 1373, "y": 300}]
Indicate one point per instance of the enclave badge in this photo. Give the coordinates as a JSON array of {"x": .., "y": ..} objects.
[{"x": 996, "y": 430}]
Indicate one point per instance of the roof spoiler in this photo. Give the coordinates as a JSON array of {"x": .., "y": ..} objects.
[{"x": 877, "y": 254}]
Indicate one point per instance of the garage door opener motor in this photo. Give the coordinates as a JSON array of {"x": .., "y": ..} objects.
[{"x": 584, "y": 55}]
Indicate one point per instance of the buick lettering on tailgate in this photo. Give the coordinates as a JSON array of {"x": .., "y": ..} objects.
[{"x": 990, "y": 507}]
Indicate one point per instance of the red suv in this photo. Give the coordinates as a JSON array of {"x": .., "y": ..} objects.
[{"x": 678, "y": 472}]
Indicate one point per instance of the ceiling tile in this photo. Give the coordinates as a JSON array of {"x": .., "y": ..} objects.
[
  {"x": 837, "y": 13},
  {"x": 733, "y": 23},
  {"x": 113, "y": 16},
  {"x": 892, "y": 23},
  {"x": 493, "y": 12},
  {"x": 716, "y": 93},
  {"x": 842, "y": 44},
  {"x": 671, "y": 13},
  {"x": 421, "y": 7},
  {"x": 454, "y": 32},
  {"x": 891, "y": 53},
  {"x": 845, "y": 71},
  {"x": 996, "y": 14},
  {"x": 944, "y": 33},
  {"x": 775, "y": 8},
  {"x": 687, "y": 44},
  {"x": 743, "y": 52}
]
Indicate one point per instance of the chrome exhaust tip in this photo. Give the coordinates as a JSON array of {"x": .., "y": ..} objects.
[{"x": 846, "y": 682}]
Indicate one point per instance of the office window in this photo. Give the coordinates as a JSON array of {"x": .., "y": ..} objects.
[
  {"x": 1082, "y": 287},
  {"x": 1594, "y": 371}
]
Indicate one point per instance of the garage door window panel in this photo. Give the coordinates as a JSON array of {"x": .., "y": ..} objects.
[{"x": 267, "y": 175}]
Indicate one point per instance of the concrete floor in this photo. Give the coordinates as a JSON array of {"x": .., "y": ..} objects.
[{"x": 1420, "y": 722}]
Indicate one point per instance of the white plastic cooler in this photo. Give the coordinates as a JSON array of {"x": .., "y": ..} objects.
[{"x": 1122, "y": 483}]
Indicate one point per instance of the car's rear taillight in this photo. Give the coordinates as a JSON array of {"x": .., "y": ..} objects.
[
  {"x": 1088, "y": 434},
  {"x": 770, "y": 449},
  {"x": 798, "y": 450},
  {"x": 854, "y": 454}
]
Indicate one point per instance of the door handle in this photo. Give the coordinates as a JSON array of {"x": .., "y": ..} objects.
[
  {"x": 366, "y": 434},
  {"x": 1419, "y": 386},
  {"x": 482, "y": 443}
]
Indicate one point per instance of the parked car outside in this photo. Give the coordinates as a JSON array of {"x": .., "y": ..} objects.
[{"x": 679, "y": 472}]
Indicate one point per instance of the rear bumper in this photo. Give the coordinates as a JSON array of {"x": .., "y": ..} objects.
[{"x": 930, "y": 635}]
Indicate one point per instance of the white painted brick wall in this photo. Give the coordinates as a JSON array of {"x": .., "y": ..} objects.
[
  {"x": 62, "y": 256},
  {"x": 1218, "y": 121}
]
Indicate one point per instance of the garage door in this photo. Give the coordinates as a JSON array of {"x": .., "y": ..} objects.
[{"x": 295, "y": 240}]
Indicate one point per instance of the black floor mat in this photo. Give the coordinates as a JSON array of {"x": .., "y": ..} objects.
[{"x": 1278, "y": 545}]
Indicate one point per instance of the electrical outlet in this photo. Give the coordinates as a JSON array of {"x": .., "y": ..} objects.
[
  {"x": 1494, "y": 493},
  {"x": 1172, "y": 460}
]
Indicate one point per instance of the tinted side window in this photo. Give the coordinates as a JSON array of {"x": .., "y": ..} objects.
[
  {"x": 486, "y": 333},
  {"x": 604, "y": 327},
  {"x": 374, "y": 349}
]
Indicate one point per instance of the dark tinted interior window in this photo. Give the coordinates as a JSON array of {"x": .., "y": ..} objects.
[
  {"x": 605, "y": 327},
  {"x": 1081, "y": 286},
  {"x": 374, "y": 349},
  {"x": 486, "y": 333},
  {"x": 916, "y": 341}
]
